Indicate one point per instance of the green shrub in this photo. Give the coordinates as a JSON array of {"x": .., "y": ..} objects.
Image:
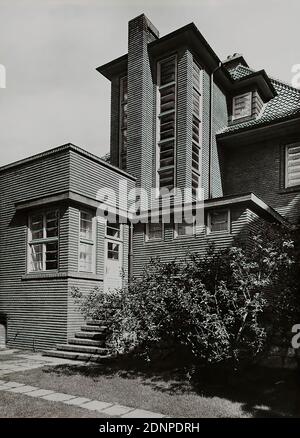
[{"x": 210, "y": 308}]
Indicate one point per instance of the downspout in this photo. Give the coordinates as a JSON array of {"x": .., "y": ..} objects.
[
  {"x": 211, "y": 114},
  {"x": 130, "y": 252}
]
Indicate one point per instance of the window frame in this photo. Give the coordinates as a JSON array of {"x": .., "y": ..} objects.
[
  {"x": 184, "y": 236},
  {"x": 120, "y": 249},
  {"x": 209, "y": 231},
  {"x": 108, "y": 236},
  {"x": 92, "y": 242},
  {"x": 286, "y": 153},
  {"x": 147, "y": 239},
  {"x": 234, "y": 117},
  {"x": 43, "y": 240}
]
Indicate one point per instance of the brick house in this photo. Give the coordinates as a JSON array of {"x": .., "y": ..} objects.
[{"x": 180, "y": 118}]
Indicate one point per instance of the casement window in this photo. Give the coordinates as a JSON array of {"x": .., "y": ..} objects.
[
  {"x": 242, "y": 106},
  {"x": 123, "y": 122},
  {"x": 292, "y": 165},
  {"x": 218, "y": 221},
  {"x": 43, "y": 241},
  {"x": 154, "y": 232},
  {"x": 113, "y": 230},
  {"x": 196, "y": 128},
  {"x": 184, "y": 229},
  {"x": 167, "y": 121},
  {"x": 86, "y": 242}
]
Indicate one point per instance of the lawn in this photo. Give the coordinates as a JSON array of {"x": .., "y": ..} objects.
[{"x": 259, "y": 393}]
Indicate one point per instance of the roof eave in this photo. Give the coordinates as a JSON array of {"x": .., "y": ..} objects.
[
  {"x": 259, "y": 79},
  {"x": 114, "y": 67},
  {"x": 247, "y": 129}
]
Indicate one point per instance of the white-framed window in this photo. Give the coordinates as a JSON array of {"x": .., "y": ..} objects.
[
  {"x": 113, "y": 230},
  {"x": 123, "y": 122},
  {"x": 154, "y": 232},
  {"x": 292, "y": 165},
  {"x": 196, "y": 127},
  {"x": 242, "y": 106},
  {"x": 113, "y": 250},
  {"x": 166, "y": 110},
  {"x": 43, "y": 232},
  {"x": 218, "y": 221},
  {"x": 87, "y": 250},
  {"x": 184, "y": 229}
]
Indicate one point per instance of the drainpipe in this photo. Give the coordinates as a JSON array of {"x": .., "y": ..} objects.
[
  {"x": 130, "y": 252},
  {"x": 211, "y": 134}
]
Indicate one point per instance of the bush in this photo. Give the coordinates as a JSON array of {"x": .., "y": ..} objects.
[{"x": 211, "y": 309}]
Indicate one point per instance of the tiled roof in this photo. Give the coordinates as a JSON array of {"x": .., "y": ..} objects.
[{"x": 285, "y": 104}]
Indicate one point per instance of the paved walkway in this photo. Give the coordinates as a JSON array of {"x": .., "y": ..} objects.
[
  {"x": 105, "y": 408},
  {"x": 12, "y": 361}
]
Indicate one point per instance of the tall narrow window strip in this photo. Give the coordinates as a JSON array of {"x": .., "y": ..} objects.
[
  {"x": 292, "y": 168},
  {"x": 167, "y": 96},
  {"x": 123, "y": 121},
  {"x": 43, "y": 241},
  {"x": 86, "y": 242},
  {"x": 196, "y": 127}
]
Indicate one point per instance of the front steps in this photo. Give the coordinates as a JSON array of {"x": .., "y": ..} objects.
[{"x": 88, "y": 345}]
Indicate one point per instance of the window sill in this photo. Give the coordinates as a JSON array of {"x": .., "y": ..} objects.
[
  {"x": 236, "y": 121},
  {"x": 60, "y": 275},
  {"x": 149, "y": 242},
  {"x": 291, "y": 189},
  {"x": 185, "y": 237},
  {"x": 218, "y": 233}
]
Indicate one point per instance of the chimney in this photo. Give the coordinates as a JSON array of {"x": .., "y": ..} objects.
[{"x": 141, "y": 101}]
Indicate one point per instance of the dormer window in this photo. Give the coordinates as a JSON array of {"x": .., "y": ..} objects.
[{"x": 242, "y": 106}]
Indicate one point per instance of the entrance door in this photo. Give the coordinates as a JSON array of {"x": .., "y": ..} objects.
[{"x": 113, "y": 265}]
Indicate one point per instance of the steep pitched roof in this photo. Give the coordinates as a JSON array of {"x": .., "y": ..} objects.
[{"x": 285, "y": 104}]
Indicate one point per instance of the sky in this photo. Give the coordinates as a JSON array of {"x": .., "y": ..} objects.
[{"x": 50, "y": 49}]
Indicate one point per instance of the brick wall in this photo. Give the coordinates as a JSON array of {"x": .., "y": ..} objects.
[
  {"x": 259, "y": 168},
  {"x": 141, "y": 102}
]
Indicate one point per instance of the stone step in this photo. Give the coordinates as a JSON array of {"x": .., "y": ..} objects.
[
  {"x": 78, "y": 356},
  {"x": 87, "y": 342},
  {"x": 94, "y": 328},
  {"x": 83, "y": 349},
  {"x": 97, "y": 322},
  {"x": 90, "y": 335}
]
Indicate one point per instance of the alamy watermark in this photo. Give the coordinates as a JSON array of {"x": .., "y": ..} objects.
[
  {"x": 296, "y": 76},
  {"x": 2, "y": 76},
  {"x": 296, "y": 337},
  {"x": 138, "y": 205}
]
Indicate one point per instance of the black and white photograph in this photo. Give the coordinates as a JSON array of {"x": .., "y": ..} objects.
[{"x": 149, "y": 214}]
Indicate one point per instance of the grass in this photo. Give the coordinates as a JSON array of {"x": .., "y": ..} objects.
[{"x": 173, "y": 392}]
